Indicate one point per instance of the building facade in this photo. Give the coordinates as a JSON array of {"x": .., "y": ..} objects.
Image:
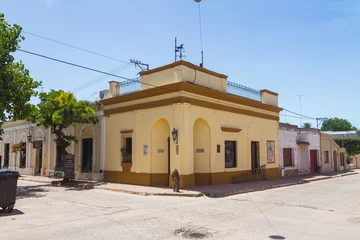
[
  {"x": 40, "y": 156},
  {"x": 333, "y": 157},
  {"x": 183, "y": 117},
  {"x": 299, "y": 150}
]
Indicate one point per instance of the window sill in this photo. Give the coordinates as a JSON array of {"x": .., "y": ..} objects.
[
  {"x": 290, "y": 167},
  {"x": 232, "y": 169}
]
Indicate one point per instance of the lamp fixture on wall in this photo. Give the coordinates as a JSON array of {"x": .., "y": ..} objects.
[
  {"x": 29, "y": 137},
  {"x": 174, "y": 134}
]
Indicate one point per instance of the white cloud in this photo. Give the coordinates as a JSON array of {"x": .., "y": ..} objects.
[{"x": 49, "y": 3}]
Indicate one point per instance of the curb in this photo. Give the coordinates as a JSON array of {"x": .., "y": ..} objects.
[
  {"x": 28, "y": 180},
  {"x": 226, "y": 194},
  {"x": 152, "y": 194},
  {"x": 128, "y": 191}
]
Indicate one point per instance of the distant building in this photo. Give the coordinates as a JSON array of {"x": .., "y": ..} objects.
[
  {"x": 299, "y": 150},
  {"x": 343, "y": 134}
]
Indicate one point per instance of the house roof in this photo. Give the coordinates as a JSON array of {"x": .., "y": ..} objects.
[
  {"x": 183, "y": 63},
  {"x": 339, "y": 132}
]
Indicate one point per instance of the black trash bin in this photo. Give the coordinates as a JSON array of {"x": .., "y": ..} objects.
[{"x": 8, "y": 185}]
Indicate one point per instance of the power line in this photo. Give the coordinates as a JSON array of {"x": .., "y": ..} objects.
[
  {"x": 73, "y": 64},
  {"x": 100, "y": 78},
  {"x": 128, "y": 79},
  {"x": 75, "y": 47},
  {"x": 300, "y": 114}
]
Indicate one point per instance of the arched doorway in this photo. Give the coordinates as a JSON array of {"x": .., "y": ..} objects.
[
  {"x": 160, "y": 152},
  {"x": 335, "y": 160},
  {"x": 202, "y": 161},
  {"x": 87, "y": 149}
]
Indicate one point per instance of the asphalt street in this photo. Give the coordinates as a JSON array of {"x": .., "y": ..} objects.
[{"x": 328, "y": 209}]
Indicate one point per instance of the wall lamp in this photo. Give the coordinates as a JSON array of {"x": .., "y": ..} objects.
[{"x": 174, "y": 134}]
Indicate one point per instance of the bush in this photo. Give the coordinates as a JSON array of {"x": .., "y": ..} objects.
[{"x": 352, "y": 145}]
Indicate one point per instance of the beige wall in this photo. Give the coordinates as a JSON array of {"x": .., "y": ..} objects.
[
  {"x": 18, "y": 131},
  {"x": 328, "y": 144},
  {"x": 186, "y": 74},
  {"x": 183, "y": 118}
]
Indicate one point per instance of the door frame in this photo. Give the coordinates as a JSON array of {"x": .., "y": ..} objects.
[
  {"x": 314, "y": 162},
  {"x": 257, "y": 154}
]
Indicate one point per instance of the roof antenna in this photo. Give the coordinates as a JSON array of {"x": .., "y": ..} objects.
[
  {"x": 201, "y": 38},
  {"x": 179, "y": 50}
]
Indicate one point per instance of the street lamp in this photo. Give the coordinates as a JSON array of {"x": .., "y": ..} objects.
[
  {"x": 29, "y": 137},
  {"x": 174, "y": 134}
]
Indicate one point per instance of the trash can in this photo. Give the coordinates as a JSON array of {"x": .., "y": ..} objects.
[{"x": 8, "y": 185}]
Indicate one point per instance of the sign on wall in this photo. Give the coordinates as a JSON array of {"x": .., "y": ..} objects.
[
  {"x": 145, "y": 150},
  {"x": 161, "y": 150},
  {"x": 200, "y": 150},
  {"x": 270, "y": 151}
]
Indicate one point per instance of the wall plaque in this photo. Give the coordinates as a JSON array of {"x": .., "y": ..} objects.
[
  {"x": 145, "y": 150},
  {"x": 161, "y": 150},
  {"x": 200, "y": 150}
]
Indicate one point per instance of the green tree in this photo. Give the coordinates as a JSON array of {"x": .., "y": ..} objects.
[
  {"x": 337, "y": 124},
  {"x": 16, "y": 85},
  {"x": 59, "y": 110},
  {"x": 306, "y": 125}
]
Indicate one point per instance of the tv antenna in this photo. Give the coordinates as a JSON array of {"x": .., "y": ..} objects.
[
  {"x": 140, "y": 65},
  {"x": 201, "y": 37},
  {"x": 179, "y": 50}
]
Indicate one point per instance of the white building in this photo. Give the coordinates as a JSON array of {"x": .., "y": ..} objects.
[{"x": 299, "y": 150}]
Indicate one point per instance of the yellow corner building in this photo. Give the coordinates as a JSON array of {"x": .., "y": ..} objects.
[{"x": 184, "y": 117}]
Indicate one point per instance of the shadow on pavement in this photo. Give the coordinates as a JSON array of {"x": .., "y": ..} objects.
[
  {"x": 30, "y": 191},
  {"x": 276, "y": 237},
  {"x": 4, "y": 213},
  {"x": 225, "y": 190},
  {"x": 76, "y": 185}
]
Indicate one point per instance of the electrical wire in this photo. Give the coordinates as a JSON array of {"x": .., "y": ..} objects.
[
  {"x": 75, "y": 47},
  {"x": 299, "y": 114},
  {"x": 85, "y": 85},
  {"x": 129, "y": 79},
  {"x": 73, "y": 64}
]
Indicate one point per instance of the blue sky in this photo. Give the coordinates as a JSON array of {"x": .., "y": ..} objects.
[{"x": 308, "y": 48}]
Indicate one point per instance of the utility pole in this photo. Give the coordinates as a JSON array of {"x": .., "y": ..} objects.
[
  {"x": 300, "y": 110},
  {"x": 201, "y": 35},
  {"x": 319, "y": 121},
  {"x": 140, "y": 64}
]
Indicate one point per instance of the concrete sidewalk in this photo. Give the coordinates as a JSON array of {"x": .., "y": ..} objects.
[
  {"x": 210, "y": 191},
  {"x": 117, "y": 187},
  {"x": 233, "y": 189}
]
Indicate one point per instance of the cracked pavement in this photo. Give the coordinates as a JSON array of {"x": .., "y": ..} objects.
[{"x": 326, "y": 209}]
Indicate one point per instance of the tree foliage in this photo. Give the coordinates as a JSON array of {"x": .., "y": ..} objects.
[
  {"x": 16, "y": 85},
  {"x": 337, "y": 124},
  {"x": 352, "y": 145},
  {"x": 306, "y": 125},
  {"x": 59, "y": 110}
]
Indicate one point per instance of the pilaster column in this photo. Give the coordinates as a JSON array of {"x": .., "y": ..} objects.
[{"x": 137, "y": 142}]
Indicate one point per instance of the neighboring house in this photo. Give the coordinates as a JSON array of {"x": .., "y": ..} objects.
[
  {"x": 333, "y": 157},
  {"x": 343, "y": 134},
  {"x": 41, "y": 156},
  {"x": 355, "y": 160},
  {"x": 299, "y": 150},
  {"x": 191, "y": 123}
]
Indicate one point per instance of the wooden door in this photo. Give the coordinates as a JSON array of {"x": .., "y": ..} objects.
[
  {"x": 313, "y": 161},
  {"x": 255, "y": 155},
  {"x": 287, "y": 154},
  {"x": 335, "y": 161}
]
